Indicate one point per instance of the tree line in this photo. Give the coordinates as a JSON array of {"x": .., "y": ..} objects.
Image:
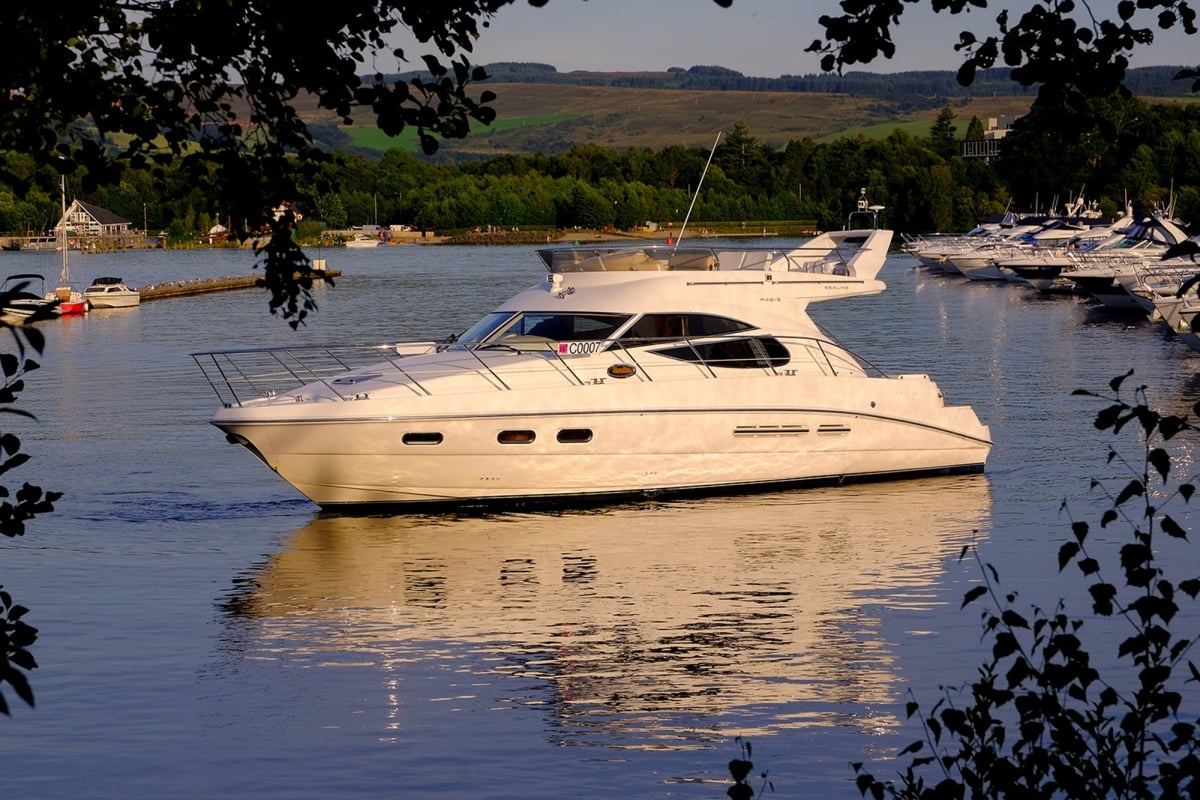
[
  {"x": 933, "y": 86},
  {"x": 1114, "y": 151}
]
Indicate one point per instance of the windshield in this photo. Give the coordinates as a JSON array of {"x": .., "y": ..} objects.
[
  {"x": 481, "y": 330},
  {"x": 551, "y": 326}
]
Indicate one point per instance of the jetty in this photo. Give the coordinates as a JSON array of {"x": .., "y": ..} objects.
[{"x": 160, "y": 291}]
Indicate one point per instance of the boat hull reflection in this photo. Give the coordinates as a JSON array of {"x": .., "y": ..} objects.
[{"x": 637, "y": 626}]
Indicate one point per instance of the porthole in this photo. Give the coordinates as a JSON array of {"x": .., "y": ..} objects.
[
  {"x": 516, "y": 437},
  {"x": 575, "y": 435},
  {"x": 422, "y": 438}
]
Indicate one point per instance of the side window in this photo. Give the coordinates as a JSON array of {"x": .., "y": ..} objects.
[
  {"x": 569, "y": 327},
  {"x": 654, "y": 328},
  {"x": 757, "y": 352}
]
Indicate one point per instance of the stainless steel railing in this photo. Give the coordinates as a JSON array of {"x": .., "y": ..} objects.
[{"x": 241, "y": 376}]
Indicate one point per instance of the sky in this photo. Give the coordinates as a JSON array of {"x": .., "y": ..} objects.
[{"x": 759, "y": 38}]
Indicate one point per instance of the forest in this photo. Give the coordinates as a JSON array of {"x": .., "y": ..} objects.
[{"x": 1114, "y": 151}]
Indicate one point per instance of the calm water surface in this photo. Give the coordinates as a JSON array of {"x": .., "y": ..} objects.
[{"x": 205, "y": 632}]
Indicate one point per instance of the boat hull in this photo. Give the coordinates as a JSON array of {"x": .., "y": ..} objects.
[
  {"x": 634, "y": 446},
  {"x": 114, "y": 300}
]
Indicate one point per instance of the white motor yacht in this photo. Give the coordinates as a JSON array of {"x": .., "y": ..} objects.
[{"x": 626, "y": 371}]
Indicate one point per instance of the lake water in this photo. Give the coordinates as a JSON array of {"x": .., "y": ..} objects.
[{"x": 205, "y": 632}]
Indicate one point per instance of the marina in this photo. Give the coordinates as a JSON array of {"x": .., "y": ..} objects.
[{"x": 194, "y": 610}]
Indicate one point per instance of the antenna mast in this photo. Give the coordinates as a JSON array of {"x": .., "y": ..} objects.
[{"x": 692, "y": 204}]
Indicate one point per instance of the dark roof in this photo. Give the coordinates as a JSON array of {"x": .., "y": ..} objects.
[{"x": 103, "y": 215}]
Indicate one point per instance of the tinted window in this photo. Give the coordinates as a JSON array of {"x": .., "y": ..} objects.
[
  {"x": 740, "y": 353},
  {"x": 566, "y": 327},
  {"x": 652, "y": 327}
]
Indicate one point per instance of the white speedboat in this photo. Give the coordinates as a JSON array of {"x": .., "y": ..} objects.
[
  {"x": 656, "y": 369},
  {"x": 110, "y": 292},
  {"x": 362, "y": 240},
  {"x": 21, "y": 300}
]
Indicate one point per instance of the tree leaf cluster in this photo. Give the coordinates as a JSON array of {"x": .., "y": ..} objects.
[
  {"x": 1042, "y": 719},
  {"x": 19, "y": 506},
  {"x": 1061, "y": 46}
]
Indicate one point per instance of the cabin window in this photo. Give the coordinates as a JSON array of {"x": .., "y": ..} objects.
[
  {"x": 575, "y": 435},
  {"x": 753, "y": 352},
  {"x": 653, "y": 328},
  {"x": 431, "y": 437},
  {"x": 516, "y": 437},
  {"x": 558, "y": 327}
]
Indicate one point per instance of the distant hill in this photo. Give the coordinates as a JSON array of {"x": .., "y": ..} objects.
[
  {"x": 542, "y": 110},
  {"x": 928, "y": 84}
]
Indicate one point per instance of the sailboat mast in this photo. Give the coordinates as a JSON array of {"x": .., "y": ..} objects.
[{"x": 62, "y": 225}]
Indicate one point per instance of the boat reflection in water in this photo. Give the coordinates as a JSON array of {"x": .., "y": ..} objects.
[{"x": 656, "y": 625}]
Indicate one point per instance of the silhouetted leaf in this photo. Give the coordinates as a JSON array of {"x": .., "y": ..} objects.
[
  {"x": 1013, "y": 620},
  {"x": 1172, "y": 528},
  {"x": 1134, "y": 488},
  {"x": 1102, "y": 597},
  {"x": 1159, "y": 459},
  {"x": 1115, "y": 383},
  {"x": 1134, "y": 555},
  {"x": 1169, "y": 426},
  {"x": 1107, "y": 417},
  {"x": 19, "y": 684},
  {"x": 972, "y": 595},
  {"x": 1004, "y": 645},
  {"x": 1066, "y": 553}
]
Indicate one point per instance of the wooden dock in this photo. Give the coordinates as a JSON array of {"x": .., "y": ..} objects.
[{"x": 160, "y": 291}]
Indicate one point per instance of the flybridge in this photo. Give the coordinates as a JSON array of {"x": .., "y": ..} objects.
[{"x": 664, "y": 258}]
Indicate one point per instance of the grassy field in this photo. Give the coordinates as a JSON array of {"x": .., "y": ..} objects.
[{"x": 550, "y": 118}]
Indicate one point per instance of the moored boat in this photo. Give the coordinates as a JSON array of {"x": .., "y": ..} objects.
[
  {"x": 625, "y": 371},
  {"x": 22, "y": 301},
  {"x": 109, "y": 292},
  {"x": 69, "y": 301},
  {"x": 362, "y": 240}
]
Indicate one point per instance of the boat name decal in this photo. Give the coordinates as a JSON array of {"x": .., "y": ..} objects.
[{"x": 579, "y": 348}]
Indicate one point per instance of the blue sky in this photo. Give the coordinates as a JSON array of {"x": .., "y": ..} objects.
[{"x": 762, "y": 38}]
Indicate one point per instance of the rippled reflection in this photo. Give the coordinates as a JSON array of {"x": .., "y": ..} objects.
[{"x": 637, "y": 626}]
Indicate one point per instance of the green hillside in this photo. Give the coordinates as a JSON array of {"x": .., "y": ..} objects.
[{"x": 552, "y": 117}]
